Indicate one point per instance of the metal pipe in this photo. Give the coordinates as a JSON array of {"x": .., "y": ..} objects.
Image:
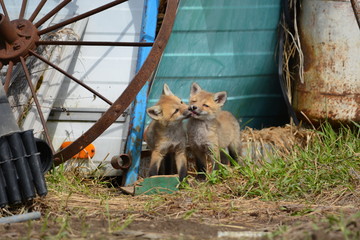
[
  {"x": 122, "y": 161},
  {"x": 7, "y": 30},
  {"x": 20, "y": 218},
  {"x": 97, "y": 43},
  {"x": 38, "y": 107},
  {"x": 23, "y": 8},
  {"x": 34, "y": 162},
  {"x": 81, "y": 16},
  {"x": 71, "y": 77},
  {"x": 37, "y": 10},
  {"x": 51, "y": 13},
  {"x": 13, "y": 192},
  {"x": 24, "y": 176}
]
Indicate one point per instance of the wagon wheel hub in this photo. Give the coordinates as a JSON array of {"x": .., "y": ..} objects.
[{"x": 17, "y": 37}]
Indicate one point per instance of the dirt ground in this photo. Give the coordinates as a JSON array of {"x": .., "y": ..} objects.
[
  {"x": 178, "y": 216},
  {"x": 202, "y": 212}
]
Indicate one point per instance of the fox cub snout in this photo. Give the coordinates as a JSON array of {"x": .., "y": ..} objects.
[
  {"x": 210, "y": 129},
  {"x": 165, "y": 134}
]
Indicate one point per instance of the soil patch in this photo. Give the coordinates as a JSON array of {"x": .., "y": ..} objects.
[{"x": 177, "y": 216}]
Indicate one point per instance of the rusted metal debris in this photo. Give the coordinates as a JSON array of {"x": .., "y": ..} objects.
[
  {"x": 130, "y": 92},
  {"x": 96, "y": 43},
  {"x": 331, "y": 88},
  {"x": 19, "y": 39},
  {"x": 16, "y": 39}
]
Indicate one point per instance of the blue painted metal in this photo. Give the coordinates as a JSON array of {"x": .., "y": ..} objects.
[
  {"x": 134, "y": 141},
  {"x": 226, "y": 45}
]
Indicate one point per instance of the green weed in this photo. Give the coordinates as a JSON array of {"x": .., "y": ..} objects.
[
  {"x": 62, "y": 181},
  {"x": 331, "y": 161},
  {"x": 348, "y": 226},
  {"x": 331, "y": 227}
]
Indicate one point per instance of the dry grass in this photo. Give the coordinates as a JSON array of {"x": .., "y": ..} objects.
[
  {"x": 88, "y": 208},
  {"x": 283, "y": 138}
]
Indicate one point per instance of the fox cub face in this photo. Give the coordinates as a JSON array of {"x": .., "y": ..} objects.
[
  {"x": 205, "y": 105},
  {"x": 169, "y": 109}
]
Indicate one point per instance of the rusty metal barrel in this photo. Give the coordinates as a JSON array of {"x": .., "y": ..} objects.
[{"x": 330, "y": 41}]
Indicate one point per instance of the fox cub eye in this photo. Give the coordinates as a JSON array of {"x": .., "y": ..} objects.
[
  {"x": 176, "y": 111},
  {"x": 205, "y": 105},
  {"x": 181, "y": 102}
]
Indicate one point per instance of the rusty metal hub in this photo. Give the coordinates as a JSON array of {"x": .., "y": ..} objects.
[{"x": 17, "y": 37}]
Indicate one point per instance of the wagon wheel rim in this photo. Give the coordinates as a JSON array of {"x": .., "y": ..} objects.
[{"x": 21, "y": 37}]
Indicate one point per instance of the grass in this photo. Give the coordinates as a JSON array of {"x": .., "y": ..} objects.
[
  {"x": 330, "y": 162},
  {"x": 331, "y": 227},
  {"x": 75, "y": 183},
  {"x": 323, "y": 171}
]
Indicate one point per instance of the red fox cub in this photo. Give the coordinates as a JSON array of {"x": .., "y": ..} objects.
[
  {"x": 165, "y": 134},
  {"x": 210, "y": 128}
]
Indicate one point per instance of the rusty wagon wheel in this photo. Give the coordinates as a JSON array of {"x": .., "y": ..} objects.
[{"x": 20, "y": 38}]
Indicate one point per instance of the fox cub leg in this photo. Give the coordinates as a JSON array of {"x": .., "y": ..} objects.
[
  {"x": 201, "y": 163},
  {"x": 206, "y": 159},
  {"x": 155, "y": 162},
  {"x": 181, "y": 164},
  {"x": 235, "y": 150},
  {"x": 180, "y": 159}
]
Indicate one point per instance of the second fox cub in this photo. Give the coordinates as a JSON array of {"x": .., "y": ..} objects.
[
  {"x": 210, "y": 128},
  {"x": 165, "y": 134}
]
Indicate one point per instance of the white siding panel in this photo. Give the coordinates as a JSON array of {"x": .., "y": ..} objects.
[{"x": 107, "y": 70}]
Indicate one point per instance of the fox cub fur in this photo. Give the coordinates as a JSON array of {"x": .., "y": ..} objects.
[
  {"x": 165, "y": 134},
  {"x": 210, "y": 128}
]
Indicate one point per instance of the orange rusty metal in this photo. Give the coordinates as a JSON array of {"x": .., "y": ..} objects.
[
  {"x": 122, "y": 161},
  {"x": 129, "y": 94},
  {"x": 330, "y": 38},
  {"x": 86, "y": 153},
  {"x": 17, "y": 38}
]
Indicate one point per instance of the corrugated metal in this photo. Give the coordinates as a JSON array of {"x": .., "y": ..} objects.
[{"x": 226, "y": 45}]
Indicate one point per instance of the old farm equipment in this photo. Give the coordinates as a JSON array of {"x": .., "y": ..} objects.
[
  {"x": 23, "y": 39},
  {"x": 330, "y": 87}
]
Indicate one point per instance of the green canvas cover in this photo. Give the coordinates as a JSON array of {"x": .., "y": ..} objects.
[{"x": 226, "y": 45}]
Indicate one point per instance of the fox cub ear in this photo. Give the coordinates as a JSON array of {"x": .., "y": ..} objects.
[
  {"x": 166, "y": 90},
  {"x": 195, "y": 88},
  {"x": 154, "y": 112},
  {"x": 220, "y": 98}
]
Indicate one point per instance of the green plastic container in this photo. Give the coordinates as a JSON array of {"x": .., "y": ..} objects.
[{"x": 226, "y": 45}]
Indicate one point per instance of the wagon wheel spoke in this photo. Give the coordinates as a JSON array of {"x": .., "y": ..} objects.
[
  {"x": 4, "y": 8},
  {"x": 96, "y": 43},
  {"x": 38, "y": 107},
  {"x": 8, "y": 76},
  {"x": 37, "y": 10},
  {"x": 81, "y": 16},
  {"x": 71, "y": 77},
  {"x": 51, "y": 13},
  {"x": 23, "y": 8},
  {"x": 21, "y": 37},
  {"x": 125, "y": 99}
]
